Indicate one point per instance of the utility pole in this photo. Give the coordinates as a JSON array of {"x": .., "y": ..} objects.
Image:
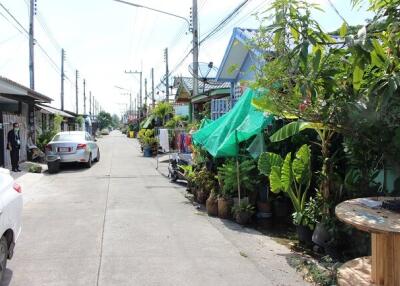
[
  {"x": 76, "y": 92},
  {"x": 90, "y": 104},
  {"x": 32, "y": 13},
  {"x": 153, "y": 102},
  {"x": 84, "y": 96},
  {"x": 195, "y": 58},
  {"x": 93, "y": 108},
  {"x": 62, "y": 78},
  {"x": 145, "y": 96},
  {"x": 130, "y": 103},
  {"x": 136, "y": 114},
  {"x": 138, "y": 105},
  {"x": 141, "y": 92},
  {"x": 166, "y": 74}
]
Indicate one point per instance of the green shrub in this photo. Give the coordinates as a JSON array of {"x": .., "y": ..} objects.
[
  {"x": 43, "y": 139},
  {"x": 35, "y": 168}
]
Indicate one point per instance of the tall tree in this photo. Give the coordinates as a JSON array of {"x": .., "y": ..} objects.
[{"x": 104, "y": 119}]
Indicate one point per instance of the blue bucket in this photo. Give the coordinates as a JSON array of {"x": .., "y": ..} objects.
[{"x": 147, "y": 152}]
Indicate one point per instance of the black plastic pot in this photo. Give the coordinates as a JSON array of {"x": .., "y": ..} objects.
[
  {"x": 304, "y": 234},
  {"x": 280, "y": 208},
  {"x": 321, "y": 236}
]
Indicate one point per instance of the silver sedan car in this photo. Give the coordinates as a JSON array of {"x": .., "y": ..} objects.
[{"x": 71, "y": 146}]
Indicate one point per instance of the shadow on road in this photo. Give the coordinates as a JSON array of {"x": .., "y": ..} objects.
[
  {"x": 71, "y": 168},
  {"x": 7, "y": 277}
]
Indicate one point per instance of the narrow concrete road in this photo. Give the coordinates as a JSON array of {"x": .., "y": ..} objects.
[{"x": 122, "y": 223}]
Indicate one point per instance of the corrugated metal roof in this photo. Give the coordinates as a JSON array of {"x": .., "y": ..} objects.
[
  {"x": 53, "y": 110},
  {"x": 27, "y": 91},
  {"x": 211, "y": 84}
]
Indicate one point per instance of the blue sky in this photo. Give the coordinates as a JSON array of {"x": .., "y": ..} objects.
[{"x": 103, "y": 38}]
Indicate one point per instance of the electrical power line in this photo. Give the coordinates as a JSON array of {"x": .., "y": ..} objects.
[
  {"x": 224, "y": 22},
  {"x": 209, "y": 35},
  {"x": 13, "y": 17},
  {"x": 239, "y": 21},
  {"x": 48, "y": 31}
]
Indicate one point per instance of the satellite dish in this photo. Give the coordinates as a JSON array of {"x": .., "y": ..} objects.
[{"x": 206, "y": 73}]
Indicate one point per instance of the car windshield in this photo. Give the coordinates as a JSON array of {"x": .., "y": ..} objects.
[{"x": 69, "y": 137}]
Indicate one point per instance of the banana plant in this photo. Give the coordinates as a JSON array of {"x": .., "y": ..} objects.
[{"x": 291, "y": 176}]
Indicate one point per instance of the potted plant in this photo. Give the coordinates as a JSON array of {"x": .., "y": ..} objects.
[
  {"x": 243, "y": 212},
  {"x": 323, "y": 221},
  {"x": 228, "y": 173},
  {"x": 225, "y": 203},
  {"x": 263, "y": 203},
  {"x": 148, "y": 143},
  {"x": 280, "y": 206},
  {"x": 305, "y": 221},
  {"x": 205, "y": 182},
  {"x": 189, "y": 175},
  {"x": 292, "y": 177},
  {"x": 212, "y": 203}
]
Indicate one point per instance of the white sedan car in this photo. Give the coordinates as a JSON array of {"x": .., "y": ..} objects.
[
  {"x": 71, "y": 146},
  {"x": 10, "y": 217}
]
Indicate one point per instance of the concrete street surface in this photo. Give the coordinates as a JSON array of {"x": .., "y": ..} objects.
[{"x": 122, "y": 223}]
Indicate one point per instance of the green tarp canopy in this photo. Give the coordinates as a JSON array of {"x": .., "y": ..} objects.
[
  {"x": 221, "y": 137},
  {"x": 204, "y": 122}
]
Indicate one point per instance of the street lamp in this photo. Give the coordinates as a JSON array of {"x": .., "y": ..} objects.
[
  {"x": 155, "y": 10},
  {"x": 195, "y": 42},
  {"x": 130, "y": 97}
]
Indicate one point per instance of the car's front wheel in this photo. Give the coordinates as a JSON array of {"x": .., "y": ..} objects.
[{"x": 3, "y": 256}]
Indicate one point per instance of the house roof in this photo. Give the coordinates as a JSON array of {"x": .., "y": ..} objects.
[
  {"x": 211, "y": 84},
  {"x": 52, "y": 110},
  {"x": 217, "y": 93},
  {"x": 236, "y": 53},
  {"x": 8, "y": 86}
]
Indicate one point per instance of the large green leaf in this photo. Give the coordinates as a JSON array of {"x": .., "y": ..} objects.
[
  {"x": 275, "y": 180},
  {"x": 267, "y": 160},
  {"x": 343, "y": 30},
  {"x": 317, "y": 60},
  {"x": 358, "y": 74},
  {"x": 301, "y": 165},
  {"x": 286, "y": 173},
  {"x": 293, "y": 128},
  {"x": 265, "y": 104}
]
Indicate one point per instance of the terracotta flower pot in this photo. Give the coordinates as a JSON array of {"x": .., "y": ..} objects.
[
  {"x": 224, "y": 208},
  {"x": 201, "y": 196},
  {"x": 264, "y": 207},
  {"x": 212, "y": 206},
  {"x": 243, "y": 200},
  {"x": 242, "y": 218}
]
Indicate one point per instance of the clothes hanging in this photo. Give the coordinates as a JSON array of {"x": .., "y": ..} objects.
[{"x": 164, "y": 140}]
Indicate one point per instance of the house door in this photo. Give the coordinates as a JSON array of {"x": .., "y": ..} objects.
[{"x": 2, "y": 143}]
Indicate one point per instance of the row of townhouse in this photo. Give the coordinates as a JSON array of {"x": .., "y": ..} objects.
[{"x": 31, "y": 110}]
